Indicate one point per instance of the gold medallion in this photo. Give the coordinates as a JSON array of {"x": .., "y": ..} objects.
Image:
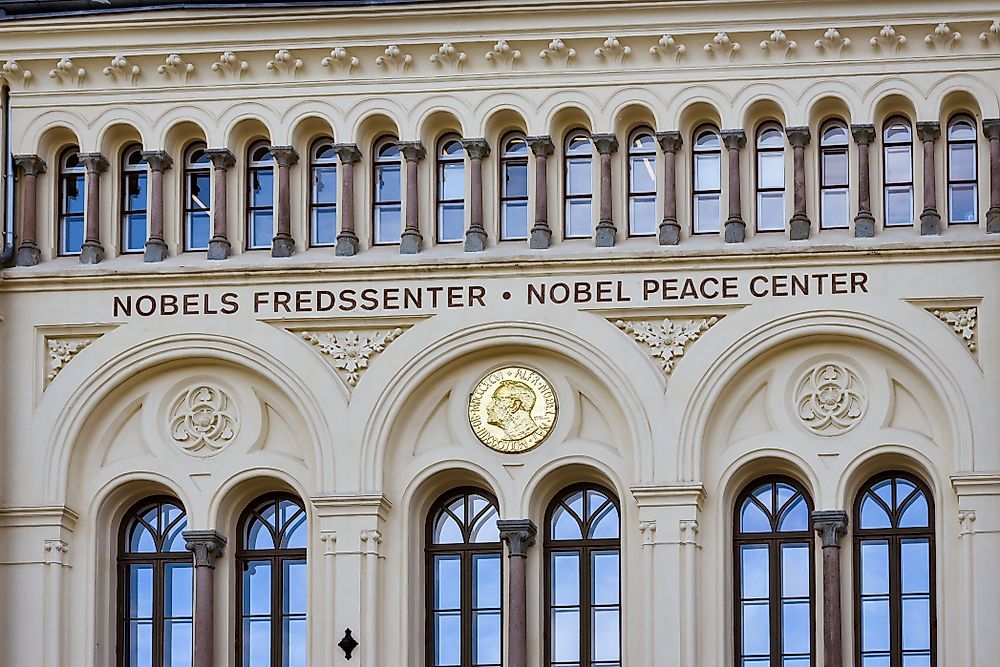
[{"x": 512, "y": 409}]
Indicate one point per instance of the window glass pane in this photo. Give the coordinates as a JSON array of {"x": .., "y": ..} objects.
[
  {"x": 447, "y": 638},
  {"x": 578, "y": 177},
  {"x": 199, "y": 191},
  {"x": 515, "y": 220},
  {"x": 771, "y": 211},
  {"x": 756, "y": 628},
  {"x": 447, "y": 582},
  {"x": 642, "y": 142},
  {"x": 177, "y": 643},
  {"x": 753, "y": 519},
  {"x": 874, "y": 567},
  {"x": 140, "y": 591},
  {"x": 643, "y": 174},
  {"x": 486, "y": 581},
  {"x": 388, "y": 224},
  {"x": 796, "y": 628},
  {"x": 565, "y": 635},
  {"x": 199, "y": 228},
  {"x": 485, "y": 530},
  {"x": 178, "y": 590},
  {"x": 565, "y": 579},
  {"x": 294, "y": 647},
  {"x": 606, "y": 642},
  {"x": 708, "y": 140},
  {"x": 261, "y": 228},
  {"x": 515, "y": 180},
  {"x": 451, "y": 222},
  {"x": 754, "y": 571},
  {"x": 898, "y": 164},
  {"x": 962, "y": 131},
  {"x": 835, "y": 168},
  {"x": 836, "y": 211},
  {"x": 796, "y": 662},
  {"x": 916, "y": 623},
  {"x": 834, "y": 135},
  {"x": 875, "y": 624},
  {"x": 642, "y": 216},
  {"x": 915, "y": 513},
  {"x": 141, "y": 540},
  {"x": 452, "y": 185},
  {"x": 325, "y": 185},
  {"x": 579, "y": 145},
  {"x": 73, "y": 197},
  {"x": 578, "y": 218},
  {"x": 707, "y": 213},
  {"x": 257, "y": 642},
  {"x": 565, "y": 525},
  {"x": 899, "y": 205},
  {"x": 387, "y": 182},
  {"x": 771, "y": 170},
  {"x": 604, "y": 578},
  {"x": 257, "y": 587},
  {"x": 140, "y": 644},
  {"x": 135, "y": 231},
  {"x": 707, "y": 172},
  {"x": 875, "y": 661},
  {"x": 262, "y": 188},
  {"x": 962, "y": 162},
  {"x": 962, "y": 203},
  {"x": 72, "y": 233},
  {"x": 795, "y": 517},
  {"x": 324, "y": 226},
  {"x": 294, "y": 587},
  {"x": 259, "y": 536},
  {"x": 486, "y": 638},
  {"x": 447, "y": 530},
  {"x": 174, "y": 541},
  {"x": 915, "y": 566},
  {"x": 770, "y": 138},
  {"x": 795, "y": 570},
  {"x": 135, "y": 191},
  {"x": 897, "y": 132},
  {"x": 917, "y": 660},
  {"x": 605, "y": 525}
]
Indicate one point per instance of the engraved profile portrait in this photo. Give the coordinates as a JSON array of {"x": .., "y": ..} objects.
[{"x": 512, "y": 409}]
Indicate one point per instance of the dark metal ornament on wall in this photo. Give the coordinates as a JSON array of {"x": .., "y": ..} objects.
[{"x": 348, "y": 644}]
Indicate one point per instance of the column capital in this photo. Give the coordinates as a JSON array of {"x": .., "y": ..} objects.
[
  {"x": 831, "y": 525},
  {"x": 519, "y": 534},
  {"x": 798, "y": 135},
  {"x": 928, "y": 130},
  {"x": 348, "y": 153},
  {"x": 606, "y": 144},
  {"x": 863, "y": 133},
  {"x": 32, "y": 165},
  {"x": 477, "y": 148},
  {"x": 284, "y": 156},
  {"x": 206, "y": 545},
  {"x": 991, "y": 128},
  {"x": 412, "y": 150},
  {"x": 158, "y": 160},
  {"x": 734, "y": 140},
  {"x": 670, "y": 141},
  {"x": 541, "y": 145},
  {"x": 95, "y": 163},
  {"x": 222, "y": 158}
]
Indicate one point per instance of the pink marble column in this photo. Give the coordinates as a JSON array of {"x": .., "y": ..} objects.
[
  {"x": 930, "y": 219},
  {"x": 347, "y": 239},
  {"x": 475, "y": 236},
  {"x": 411, "y": 240},
  {"x": 736, "y": 229},
  {"x": 541, "y": 234},
  {"x": 991, "y": 130},
  {"x": 206, "y": 546},
  {"x": 222, "y": 160},
  {"x": 156, "y": 247},
  {"x": 799, "y": 226},
  {"x": 28, "y": 253},
  {"x": 604, "y": 233},
  {"x": 92, "y": 251},
  {"x": 864, "y": 221},
  {"x": 518, "y": 535},
  {"x": 831, "y": 525},
  {"x": 283, "y": 244},
  {"x": 670, "y": 229}
]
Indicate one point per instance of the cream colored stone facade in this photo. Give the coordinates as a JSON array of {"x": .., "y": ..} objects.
[{"x": 675, "y": 396}]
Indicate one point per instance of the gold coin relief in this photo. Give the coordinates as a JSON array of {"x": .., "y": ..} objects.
[{"x": 512, "y": 409}]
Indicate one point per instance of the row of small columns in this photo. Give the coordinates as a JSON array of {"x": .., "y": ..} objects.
[{"x": 542, "y": 148}]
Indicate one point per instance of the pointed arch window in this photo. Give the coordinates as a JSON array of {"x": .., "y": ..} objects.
[
  {"x": 579, "y": 186},
  {"x": 834, "y": 170},
  {"x": 894, "y": 573},
  {"x": 72, "y": 185},
  {"x": 272, "y": 584},
  {"x": 514, "y": 187},
  {"x": 323, "y": 193},
  {"x": 387, "y": 215},
  {"x": 963, "y": 195},
  {"x": 134, "y": 199},
  {"x": 260, "y": 196},
  {"x": 155, "y": 587},
  {"x": 450, "y": 189},
  {"x": 707, "y": 191},
  {"x": 197, "y": 197},
  {"x": 773, "y": 567},
  {"x": 770, "y": 178},
  {"x": 897, "y": 172},
  {"x": 583, "y": 575},
  {"x": 642, "y": 183}
]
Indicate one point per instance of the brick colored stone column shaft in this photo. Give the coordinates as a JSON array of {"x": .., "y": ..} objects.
[
  {"x": 475, "y": 236},
  {"x": 518, "y": 535},
  {"x": 206, "y": 546},
  {"x": 736, "y": 229},
  {"x": 541, "y": 234},
  {"x": 413, "y": 152},
  {"x": 864, "y": 221},
  {"x": 991, "y": 130},
  {"x": 222, "y": 159},
  {"x": 28, "y": 253},
  {"x": 347, "y": 239},
  {"x": 156, "y": 247},
  {"x": 283, "y": 244},
  {"x": 831, "y": 525},
  {"x": 604, "y": 234},
  {"x": 92, "y": 251},
  {"x": 930, "y": 219},
  {"x": 799, "y": 226},
  {"x": 670, "y": 229}
]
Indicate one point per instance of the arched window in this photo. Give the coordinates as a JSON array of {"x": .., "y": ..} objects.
[
  {"x": 963, "y": 197},
  {"x": 707, "y": 190},
  {"x": 770, "y": 178},
  {"x": 894, "y": 573},
  {"x": 450, "y": 189},
  {"x": 642, "y": 183},
  {"x": 260, "y": 196},
  {"x": 197, "y": 197},
  {"x": 387, "y": 200},
  {"x": 514, "y": 187},
  {"x": 155, "y": 586},
  {"x": 579, "y": 185},
  {"x": 134, "y": 204},
  {"x": 464, "y": 588},
  {"x": 323, "y": 194},
  {"x": 834, "y": 208},
  {"x": 773, "y": 567},
  {"x": 897, "y": 165},
  {"x": 582, "y": 568},
  {"x": 72, "y": 177}
]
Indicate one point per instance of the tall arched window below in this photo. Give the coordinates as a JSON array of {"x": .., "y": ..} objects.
[
  {"x": 272, "y": 584},
  {"x": 323, "y": 193},
  {"x": 897, "y": 170},
  {"x": 155, "y": 587},
  {"x": 583, "y": 575},
  {"x": 72, "y": 177},
  {"x": 963, "y": 197},
  {"x": 773, "y": 569},
  {"x": 260, "y": 196},
  {"x": 894, "y": 573},
  {"x": 387, "y": 216},
  {"x": 134, "y": 204},
  {"x": 579, "y": 186},
  {"x": 707, "y": 191},
  {"x": 770, "y": 178},
  {"x": 450, "y": 189},
  {"x": 642, "y": 183},
  {"x": 464, "y": 587},
  {"x": 834, "y": 207},
  {"x": 197, "y": 197},
  {"x": 514, "y": 188}
]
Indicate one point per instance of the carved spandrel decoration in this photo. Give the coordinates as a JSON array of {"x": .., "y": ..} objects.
[
  {"x": 351, "y": 352},
  {"x": 668, "y": 339},
  {"x": 203, "y": 420},
  {"x": 963, "y": 321},
  {"x": 60, "y": 352},
  {"x": 830, "y": 399}
]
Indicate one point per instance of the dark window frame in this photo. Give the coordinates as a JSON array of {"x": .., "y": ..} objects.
[
  {"x": 886, "y": 185},
  {"x": 634, "y": 152},
  {"x": 376, "y": 203},
  {"x": 191, "y": 170},
  {"x": 695, "y": 192},
  {"x": 834, "y": 149},
  {"x": 255, "y": 167},
  {"x": 758, "y": 189},
  {"x": 507, "y": 160},
  {"x": 66, "y": 175},
  {"x": 315, "y": 164},
  {"x": 571, "y": 136},
  {"x": 974, "y": 181},
  {"x": 123, "y": 210}
]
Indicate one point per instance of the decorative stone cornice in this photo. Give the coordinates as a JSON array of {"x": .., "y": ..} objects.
[
  {"x": 518, "y": 534},
  {"x": 206, "y": 545},
  {"x": 66, "y": 71},
  {"x": 830, "y": 525},
  {"x": 832, "y": 42},
  {"x": 340, "y": 60},
  {"x": 606, "y": 144},
  {"x": 158, "y": 160},
  {"x": 284, "y": 156},
  {"x": 722, "y": 46},
  {"x": 557, "y": 53},
  {"x": 668, "y": 47},
  {"x": 734, "y": 139},
  {"x": 778, "y": 43},
  {"x": 95, "y": 163},
  {"x": 928, "y": 130},
  {"x": 670, "y": 141},
  {"x": 285, "y": 63},
  {"x": 798, "y": 135},
  {"x": 221, "y": 158},
  {"x": 449, "y": 57},
  {"x": 229, "y": 64},
  {"x": 477, "y": 148},
  {"x": 613, "y": 51},
  {"x": 412, "y": 150},
  {"x": 121, "y": 71},
  {"x": 541, "y": 145},
  {"x": 863, "y": 133},
  {"x": 175, "y": 67},
  {"x": 348, "y": 153},
  {"x": 31, "y": 165}
]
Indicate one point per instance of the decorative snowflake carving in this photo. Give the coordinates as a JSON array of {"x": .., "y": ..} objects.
[
  {"x": 351, "y": 352},
  {"x": 963, "y": 322},
  {"x": 61, "y": 352},
  {"x": 832, "y": 42},
  {"x": 830, "y": 399},
  {"x": 668, "y": 339},
  {"x": 203, "y": 418},
  {"x": 503, "y": 52}
]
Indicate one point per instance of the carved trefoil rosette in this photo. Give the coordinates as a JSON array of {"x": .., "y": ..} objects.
[
  {"x": 964, "y": 322},
  {"x": 350, "y": 352},
  {"x": 830, "y": 399},
  {"x": 667, "y": 340},
  {"x": 203, "y": 419}
]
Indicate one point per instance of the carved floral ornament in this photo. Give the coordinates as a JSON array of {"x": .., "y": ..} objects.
[
  {"x": 203, "y": 419},
  {"x": 668, "y": 339},
  {"x": 350, "y": 352},
  {"x": 61, "y": 351},
  {"x": 963, "y": 322},
  {"x": 830, "y": 399}
]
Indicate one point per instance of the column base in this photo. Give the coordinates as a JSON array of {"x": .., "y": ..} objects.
[
  {"x": 799, "y": 227},
  {"x": 92, "y": 252},
  {"x": 28, "y": 254},
  {"x": 409, "y": 242},
  {"x": 993, "y": 220},
  {"x": 930, "y": 222},
  {"x": 604, "y": 234},
  {"x": 475, "y": 239},
  {"x": 282, "y": 245},
  {"x": 347, "y": 244},
  {"x": 218, "y": 248},
  {"x": 156, "y": 250},
  {"x": 736, "y": 230},
  {"x": 541, "y": 237},
  {"x": 864, "y": 225},
  {"x": 670, "y": 232}
]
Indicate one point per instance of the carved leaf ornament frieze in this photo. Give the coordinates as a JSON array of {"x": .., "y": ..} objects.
[
  {"x": 350, "y": 352},
  {"x": 203, "y": 419},
  {"x": 666, "y": 340},
  {"x": 830, "y": 399}
]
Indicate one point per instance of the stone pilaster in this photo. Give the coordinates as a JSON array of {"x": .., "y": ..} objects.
[
  {"x": 831, "y": 525},
  {"x": 283, "y": 245},
  {"x": 411, "y": 239},
  {"x": 206, "y": 546},
  {"x": 799, "y": 225},
  {"x": 736, "y": 228},
  {"x": 930, "y": 220},
  {"x": 991, "y": 130},
  {"x": 475, "y": 236},
  {"x": 864, "y": 221},
  {"x": 541, "y": 233},
  {"x": 28, "y": 253},
  {"x": 92, "y": 251},
  {"x": 222, "y": 160},
  {"x": 518, "y": 535},
  {"x": 604, "y": 236},
  {"x": 670, "y": 229},
  {"x": 156, "y": 246},
  {"x": 347, "y": 239}
]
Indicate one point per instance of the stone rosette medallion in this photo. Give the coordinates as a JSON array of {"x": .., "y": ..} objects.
[
  {"x": 830, "y": 399},
  {"x": 203, "y": 420},
  {"x": 512, "y": 409}
]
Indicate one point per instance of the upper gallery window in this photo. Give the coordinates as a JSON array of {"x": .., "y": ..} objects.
[
  {"x": 583, "y": 574},
  {"x": 579, "y": 192},
  {"x": 770, "y": 178},
  {"x": 834, "y": 209},
  {"x": 963, "y": 198},
  {"x": 197, "y": 197},
  {"x": 642, "y": 183},
  {"x": 260, "y": 196},
  {"x": 707, "y": 190},
  {"x": 514, "y": 187},
  {"x": 323, "y": 193},
  {"x": 156, "y": 587},
  {"x": 272, "y": 584},
  {"x": 897, "y": 164},
  {"x": 464, "y": 590},
  {"x": 773, "y": 571},
  {"x": 387, "y": 218},
  {"x": 894, "y": 573},
  {"x": 72, "y": 177},
  {"x": 134, "y": 199},
  {"x": 450, "y": 189}
]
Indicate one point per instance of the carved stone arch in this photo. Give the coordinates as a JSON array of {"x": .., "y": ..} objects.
[
  {"x": 895, "y": 96},
  {"x": 762, "y": 109},
  {"x": 752, "y": 465},
  {"x": 436, "y": 116},
  {"x": 109, "y": 126},
  {"x": 368, "y": 126},
  {"x": 827, "y": 107},
  {"x": 50, "y": 132},
  {"x": 498, "y": 119},
  {"x": 244, "y": 128},
  {"x": 757, "y": 100},
  {"x": 564, "y": 111},
  {"x": 822, "y": 98},
  {"x": 630, "y": 113},
  {"x": 165, "y": 127},
  {"x": 956, "y": 98},
  {"x": 697, "y": 105},
  {"x": 376, "y": 112},
  {"x": 694, "y": 114},
  {"x": 306, "y": 122}
]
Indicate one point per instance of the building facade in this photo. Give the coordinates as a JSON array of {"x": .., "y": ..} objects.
[{"x": 599, "y": 333}]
